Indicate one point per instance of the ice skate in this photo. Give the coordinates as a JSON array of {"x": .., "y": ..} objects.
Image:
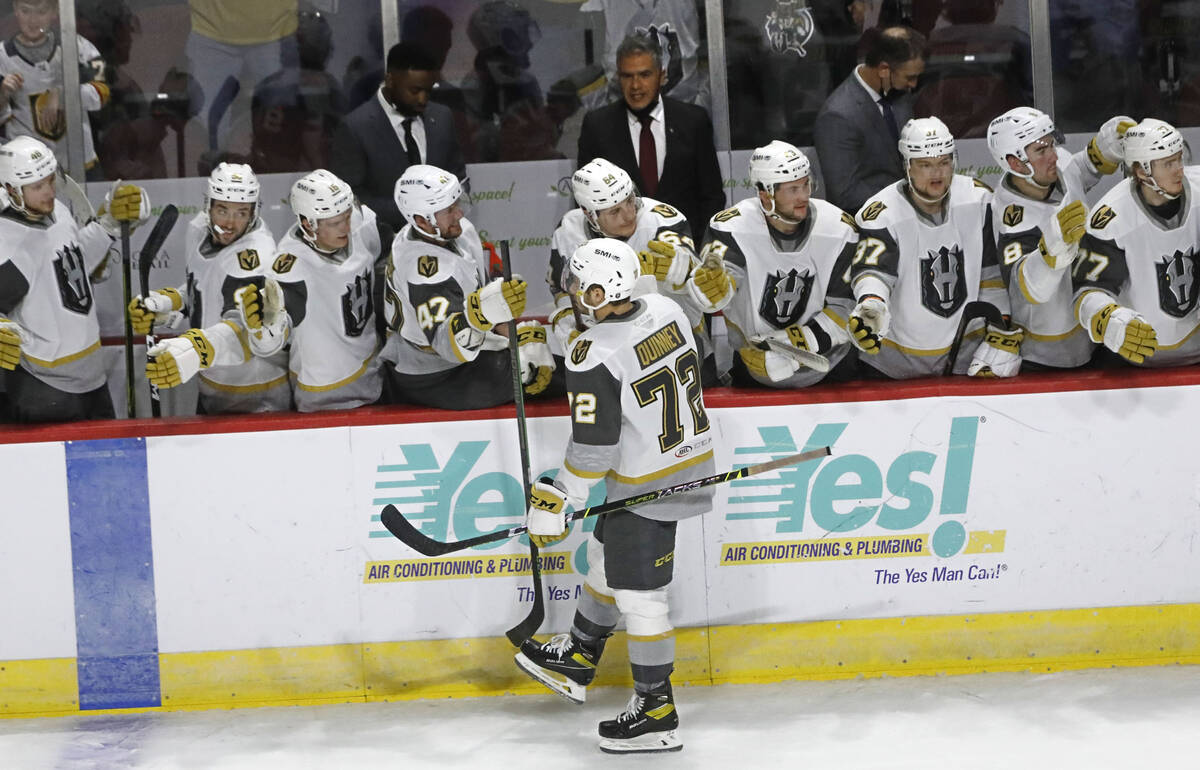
[
  {"x": 649, "y": 724},
  {"x": 563, "y": 664}
]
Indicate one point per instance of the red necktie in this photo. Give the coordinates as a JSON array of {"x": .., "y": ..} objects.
[{"x": 647, "y": 157}]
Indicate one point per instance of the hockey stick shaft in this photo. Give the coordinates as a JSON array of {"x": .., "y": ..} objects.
[
  {"x": 814, "y": 361},
  {"x": 971, "y": 311},
  {"x": 127, "y": 297},
  {"x": 158, "y": 236},
  {"x": 525, "y": 629},
  {"x": 403, "y": 529}
]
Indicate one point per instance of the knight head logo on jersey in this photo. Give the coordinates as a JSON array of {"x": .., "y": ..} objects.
[
  {"x": 944, "y": 281},
  {"x": 1177, "y": 284},
  {"x": 785, "y": 296},
  {"x": 73, "y": 284},
  {"x": 356, "y": 304},
  {"x": 789, "y": 26}
]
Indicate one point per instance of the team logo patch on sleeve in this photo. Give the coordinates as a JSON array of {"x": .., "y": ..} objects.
[
  {"x": 849, "y": 221},
  {"x": 983, "y": 184},
  {"x": 427, "y": 266},
  {"x": 727, "y": 214},
  {"x": 665, "y": 211},
  {"x": 284, "y": 262},
  {"x": 873, "y": 210},
  {"x": 1102, "y": 217},
  {"x": 580, "y": 350},
  {"x": 1013, "y": 215},
  {"x": 248, "y": 259}
]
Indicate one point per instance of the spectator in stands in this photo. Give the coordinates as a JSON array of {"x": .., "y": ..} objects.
[
  {"x": 397, "y": 129},
  {"x": 31, "y": 82},
  {"x": 665, "y": 145},
  {"x": 858, "y": 126}
]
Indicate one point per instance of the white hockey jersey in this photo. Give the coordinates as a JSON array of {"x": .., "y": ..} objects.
[
  {"x": 214, "y": 273},
  {"x": 1053, "y": 337},
  {"x": 927, "y": 271},
  {"x": 778, "y": 288},
  {"x": 637, "y": 408},
  {"x": 332, "y": 356},
  {"x": 1147, "y": 265},
  {"x": 427, "y": 286},
  {"x": 20, "y": 113},
  {"x": 45, "y": 286}
]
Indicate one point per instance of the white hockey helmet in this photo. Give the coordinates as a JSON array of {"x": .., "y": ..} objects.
[
  {"x": 232, "y": 183},
  {"x": 424, "y": 190},
  {"x": 319, "y": 195},
  {"x": 24, "y": 160},
  {"x": 776, "y": 163},
  {"x": 1012, "y": 132},
  {"x": 605, "y": 262},
  {"x": 1148, "y": 141},
  {"x": 599, "y": 185},
  {"x": 925, "y": 138}
]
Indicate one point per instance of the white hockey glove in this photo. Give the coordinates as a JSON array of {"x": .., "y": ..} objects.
[
  {"x": 537, "y": 362},
  {"x": 869, "y": 323},
  {"x": 496, "y": 302},
  {"x": 123, "y": 203},
  {"x": 546, "y": 517},
  {"x": 767, "y": 364},
  {"x": 263, "y": 317},
  {"x": 1124, "y": 332},
  {"x": 175, "y": 361},
  {"x": 1059, "y": 244},
  {"x": 711, "y": 287},
  {"x": 161, "y": 308},
  {"x": 12, "y": 337},
  {"x": 1104, "y": 151},
  {"x": 668, "y": 261},
  {"x": 998, "y": 355}
]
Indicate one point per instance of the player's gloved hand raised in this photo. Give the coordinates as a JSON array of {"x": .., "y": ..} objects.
[
  {"x": 496, "y": 302},
  {"x": 1059, "y": 244},
  {"x": 262, "y": 315},
  {"x": 12, "y": 336},
  {"x": 869, "y": 323},
  {"x": 536, "y": 359},
  {"x": 1125, "y": 333},
  {"x": 711, "y": 287},
  {"x": 123, "y": 203},
  {"x": 767, "y": 364},
  {"x": 159, "y": 307},
  {"x": 175, "y": 361},
  {"x": 666, "y": 261},
  {"x": 546, "y": 518},
  {"x": 998, "y": 355},
  {"x": 1104, "y": 151}
]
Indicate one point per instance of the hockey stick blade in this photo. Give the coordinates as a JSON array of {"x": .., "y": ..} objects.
[
  {"x": 403, "y": 529},
  {"x": 814, "y": 361},
  {"x": 973, "y": 310}
]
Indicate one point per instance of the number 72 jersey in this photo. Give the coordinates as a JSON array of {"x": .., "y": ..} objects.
[{"x": 637, "y": 409}]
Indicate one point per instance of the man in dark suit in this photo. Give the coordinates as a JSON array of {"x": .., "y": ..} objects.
[
  {"x": 397, "y": 128},
  {"x": 666, "y": 145},
  {"x": 857, "y": 131}
]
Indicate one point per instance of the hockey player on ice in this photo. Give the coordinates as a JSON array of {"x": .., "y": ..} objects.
[
  {"x": 1039, "y": 216},
  {"x": 1136, "y": 280},
  {"x": 610, "y": 207},
  {"x": 633, "y": 382},
  {"x": 926, "y": 248},
  {"x": 228, "y": 248},
  {"x": 316, "y": 298},
  {"x": 442, "y": 311},
  {"x": 788, "y": 256},
  {"x": 49, "y": 334}
]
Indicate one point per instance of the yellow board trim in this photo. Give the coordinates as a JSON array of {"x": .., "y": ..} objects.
[{"x": 1035, "y": 641}]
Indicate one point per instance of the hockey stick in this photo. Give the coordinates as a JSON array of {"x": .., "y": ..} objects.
[
  {"x": 403, "y": 529},
  {"x": 814, "y": 361},
  {"x": 127, "y": 297},
  {"x": 158, "y": 236},
  {"x": 526, "y": 628},
  {"x": 973, "y": 310}
]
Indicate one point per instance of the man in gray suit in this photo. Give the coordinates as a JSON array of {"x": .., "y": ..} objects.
[
  {"x": 397, "y": 128},
  {"x": 858, "y": 128}
]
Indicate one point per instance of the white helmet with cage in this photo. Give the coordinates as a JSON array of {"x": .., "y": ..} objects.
[
  {"x": 605, "y": 262},
  {"x": 925, "y": 138},
  {"x": 775, "y": 164},
  {"x": 599, "y": 185},
  {"x": 1148, "y": 141},
  {"x": 424, "y": 190},
  {"x": 24, "y": 160},
  {"x": 231, "y": 183},
  {"x": 1012, "y": 132},
  {"x": 319, "y": 195}
]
